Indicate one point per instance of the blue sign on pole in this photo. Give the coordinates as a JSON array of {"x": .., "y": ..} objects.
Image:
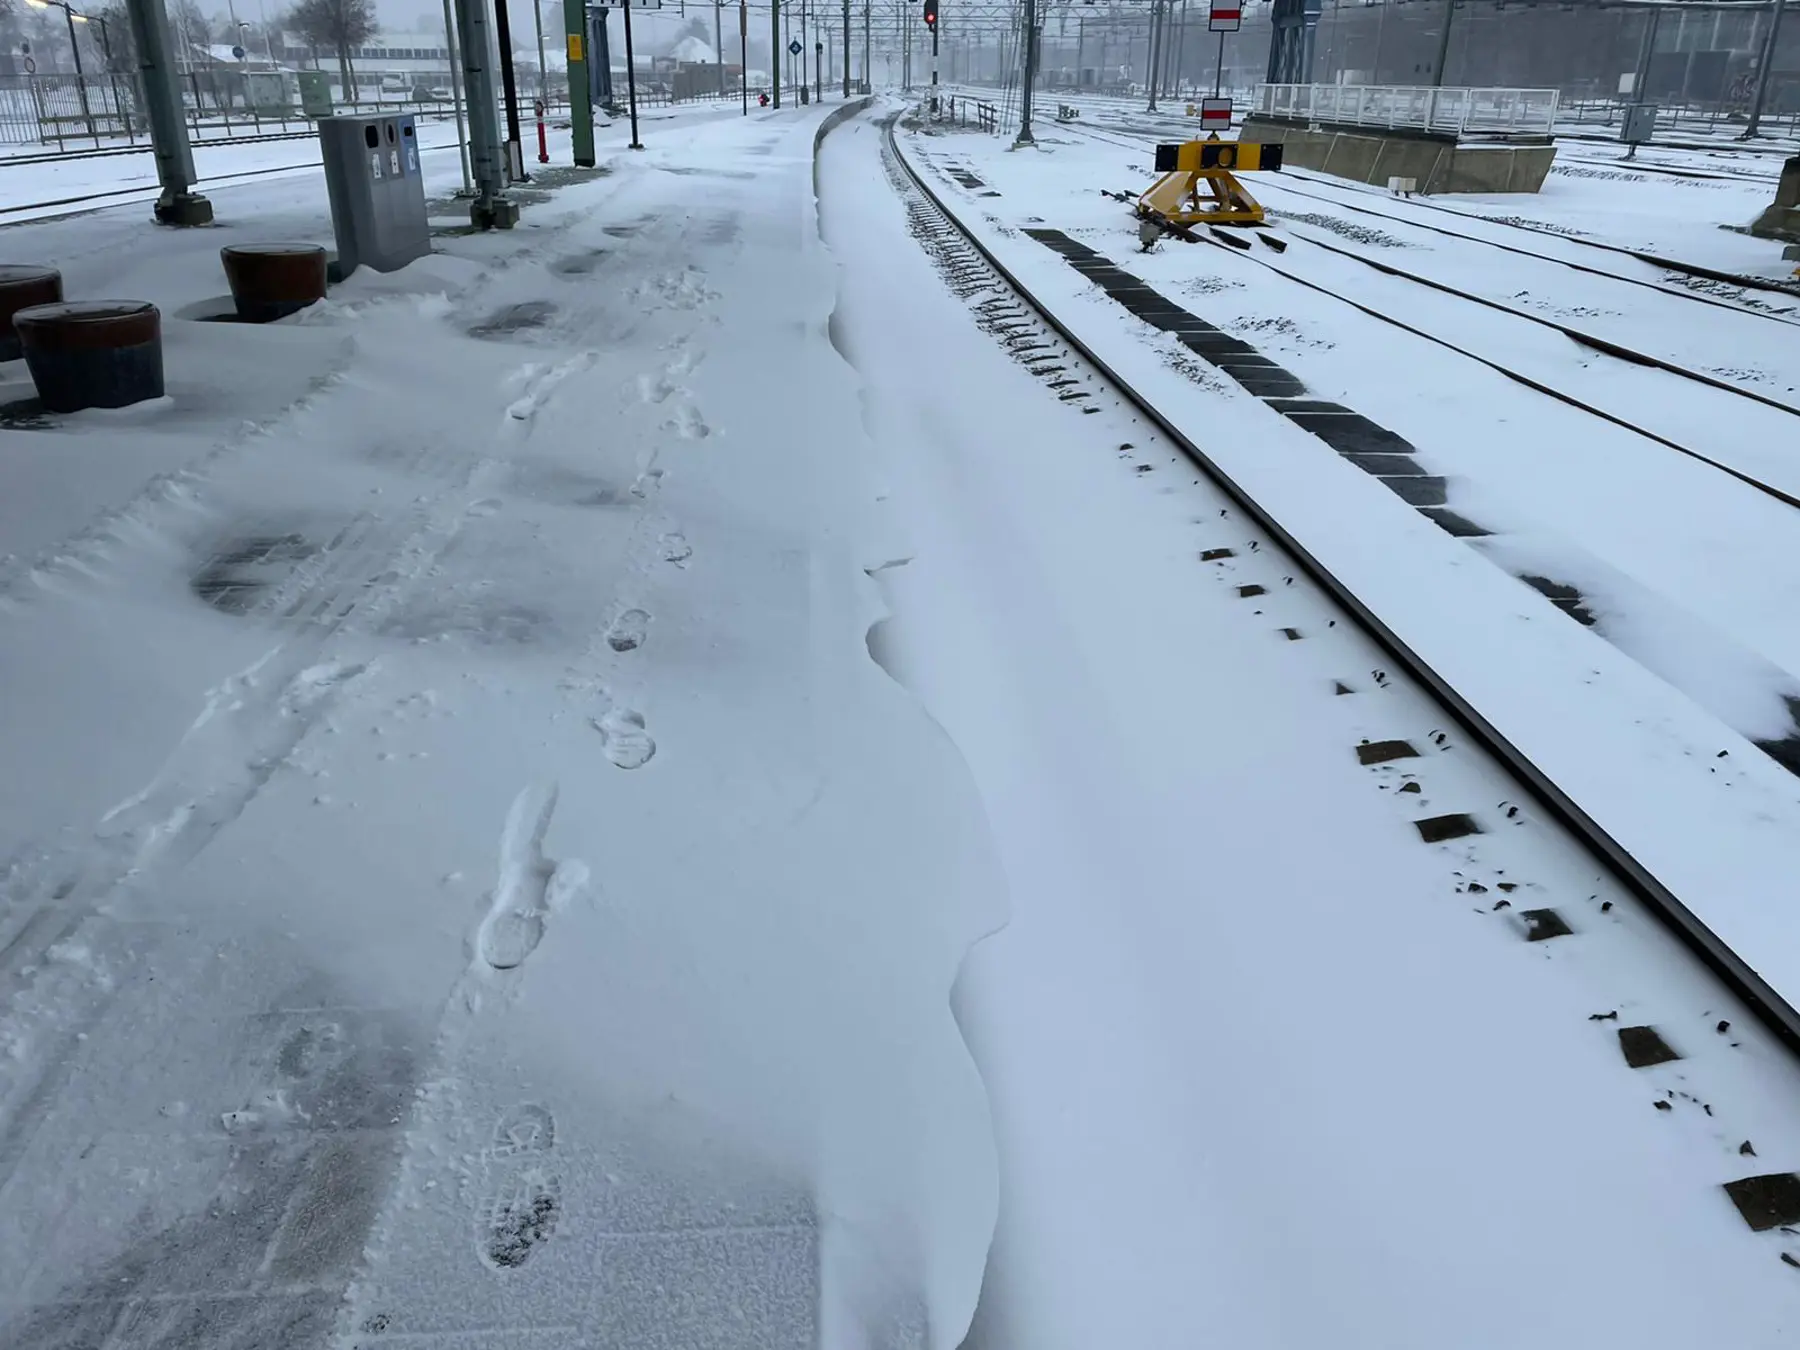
[{"x": 794, "y": 47}]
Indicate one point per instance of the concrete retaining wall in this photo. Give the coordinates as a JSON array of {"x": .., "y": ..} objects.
[{"x": 1437, "y": 163}]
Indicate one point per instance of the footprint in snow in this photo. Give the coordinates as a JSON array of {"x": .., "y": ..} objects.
[
  {"x": 627, "y": 632},
  {"x": 623, "y": 739},
  {"x": 530, "y": 886},
  {"x": 520, "y": 1218},
  {"x": 524, "y": 1199},
  {"x": 524, "y": 1128},
  {"x": 676, "y": 549},
  {"x": 688, "y": 424},
  {"x": 540, "y": 382}
]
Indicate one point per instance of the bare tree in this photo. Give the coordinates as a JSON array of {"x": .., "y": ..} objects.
[{"x": 338, "y": 25}]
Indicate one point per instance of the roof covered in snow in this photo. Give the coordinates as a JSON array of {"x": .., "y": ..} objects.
[{"x": 693, "y": 49}]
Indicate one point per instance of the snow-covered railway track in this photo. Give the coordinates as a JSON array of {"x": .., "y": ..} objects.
[
  {"x": 131, "y": 196},
  {"x": 1715, "y": 423},
  {"x": 115, "y": 151},
  {"x": 1788, "y": 316},
  {"x": 1696, "y": 273},
  {"x": 1050, "y": 347}
]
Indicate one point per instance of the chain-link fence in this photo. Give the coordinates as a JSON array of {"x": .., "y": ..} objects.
[
  {"x": 1699, "y": 62},
  {"x": 68, "y": 112},
  {"x": 39, "y": 109}
]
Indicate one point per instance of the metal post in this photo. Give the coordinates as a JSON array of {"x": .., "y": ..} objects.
[
  {"x": 602, "y": 72},
  {"x": 1646, "y": 52},
  {"x": 1080, "y": 46},
  {"x": 1153, "y": 64},
  {"x": 846, "y": 51},
  {"x": 537, "y": 17},
  {"x": 744, "y": 52},
  {"x": 515, "y": 158},
  {"x": 1168, "y": 59},
  {"x": 934, "y": 62},
  {"x": 1181, "y": 51},
  {"x": 1768, "y": 69},
  {"x": 490, "y": 209},
  {"x": 1219, "y": 70},
  {"x": 630, "y": 77},
  {"x": 1443, "y": 55},
  {"x": 775, "y": 49},
  {"x": 581, "y": 101},
  {"x": 1024, "y": 137},
  {"x": 456, "y": 97},
  {"x": 87, "y": 113},
  {"x": 719, "y": 45},
  {"x": 179, "y": 204}
]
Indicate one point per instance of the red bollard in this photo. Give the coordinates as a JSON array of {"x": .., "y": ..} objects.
[{"x": 543, "y": 145}]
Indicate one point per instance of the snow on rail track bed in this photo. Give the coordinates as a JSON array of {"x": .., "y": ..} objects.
[
  {"x": 1751, "y": 296},
  {"x": 1263, "y": 1005},
  {"x": 1689, "y": 571},
  {"x": 1716, "y": 827}
]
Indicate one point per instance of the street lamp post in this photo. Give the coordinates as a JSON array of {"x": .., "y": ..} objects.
[
  {"x": 537, "y": 17},
  {"x": 72, "y": 18},
  {"x": 1030, "y": 73},
  {"x": 87, "y": 112},
  {"x": 719, "y": 46},
  {"x": 105, "y": 39},
  {"x": 1153, "y": 58}
]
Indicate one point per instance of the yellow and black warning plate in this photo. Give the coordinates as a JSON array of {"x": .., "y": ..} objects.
[{"x": 1193, "y": 156}]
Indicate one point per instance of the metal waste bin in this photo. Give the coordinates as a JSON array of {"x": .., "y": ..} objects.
[{"x": 377, "y": 191}]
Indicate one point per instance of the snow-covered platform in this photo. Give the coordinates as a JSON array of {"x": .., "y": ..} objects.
[{"x": 462, "y": 879}]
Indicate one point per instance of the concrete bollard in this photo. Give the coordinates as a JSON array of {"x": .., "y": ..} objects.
[
  {"x": 271, "y": 281},
  {"x": 92, "y": 353},
  {"x": 21, "y": 286}
]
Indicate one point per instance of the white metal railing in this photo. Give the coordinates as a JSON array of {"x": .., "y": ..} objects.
[{"x": 1455, "y": 112}]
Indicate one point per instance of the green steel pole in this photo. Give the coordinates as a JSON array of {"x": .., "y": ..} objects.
[{"x": 581, "y": 99}]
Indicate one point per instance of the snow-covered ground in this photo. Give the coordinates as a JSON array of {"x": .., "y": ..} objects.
[
  {"x": 1647, "y": 728},
  {"x": 1265, "y": 1070},
  {"x": 639, "y": 783},
  {"x": 465, "y": 880},
  {"x": 1670, "y": 201}
]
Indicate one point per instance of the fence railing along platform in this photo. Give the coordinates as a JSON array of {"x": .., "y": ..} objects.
[{"x": 1449, "y": 112}]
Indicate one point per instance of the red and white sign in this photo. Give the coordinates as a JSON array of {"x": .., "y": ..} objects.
[
  {"x": 1215, "y": 114},
  {"x": 1227, "y": 16}
]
